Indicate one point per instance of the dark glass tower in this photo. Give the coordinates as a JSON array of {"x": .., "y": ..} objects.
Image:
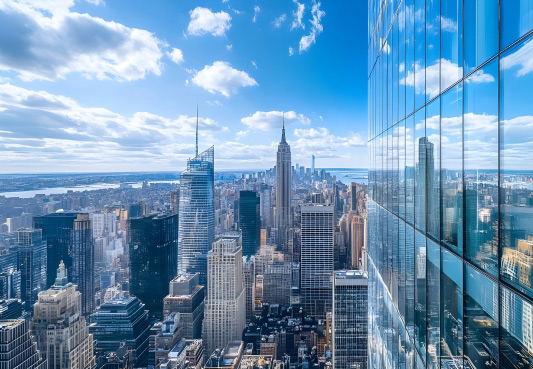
[
  {"x": 153, "y": 258},
  {"x": 197, "y": 214},
  {"x": 250, "y": 222}
]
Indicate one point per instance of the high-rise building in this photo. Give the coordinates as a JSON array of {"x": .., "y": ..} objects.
[
  {"x": 225, "y": 310},
  {"x": 283, "y": 191},
  {"x": 31, "y": 250},
  {"x": 448, "y": 220},
  {"x": 357, "y": 239},
  {"x": 196, "y": 214},
  {"x": 153, "y": 258},
  {"x": 10, "y": 309},
  {"x": 248, "y": 271},
  {"x": 60, "y": 329},
  {"x": 312, "y": 165},
  {"x": 82, "y": 257},
  {"x": 350, "y": 319},
  {"x": 277, "y": 279},
  {"x": 316, "y": 260},
  {"x": 186, "y": 297},
  {"x": 122, "y": 321},
  {"x": 249, "y": 222},
  {"x": 57, "y": 231},
  {"x": 18, "y": 349},
  {"x": 10, "y": 276},
  {"x": 265, "y": 202}
]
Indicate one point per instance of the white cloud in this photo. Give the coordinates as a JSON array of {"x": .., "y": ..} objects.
[
  {"x": 56, "y": 131},
  {"x": 268, "y": 120},
  {"x": 321, "y": 142},
  {"x": 96, "y": 2},
  {"x": 47, "y": 41},
  {"x": 176, "y": 55},
  {"x": 257, "y": 10},
  {"x": 316, "y": 28},
  {"x": 291, "y": 51},
  {"x": 254, "y": 64},
  {"x": 279, "y": 20},
  {"x": 522, "y": 58},
  {"x": 298, "y": 15},
  {"x": 222, "y": 78},
  {"x": 229, "y": 47},
  {"x": 446, "y": 75},
  {"x": 241, "y": 134},
  {"x": 385, "y": 45},
  {"x": 204, "y": 21},
  {"x": 448, "y": 25}
]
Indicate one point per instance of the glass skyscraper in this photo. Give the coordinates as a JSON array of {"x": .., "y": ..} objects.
[
  {"x": 450, "y": 207},
  {"x": 249, "y": 222},
  {"x": 197, "y": 214}
]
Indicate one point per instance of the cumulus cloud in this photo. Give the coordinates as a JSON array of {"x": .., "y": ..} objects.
[
  {"x": 241, "y": 134},
  {"x": 222, "y": 78},
  {"x": 176, "y": 55},
  {"x": 298, "y": 15},
  {"x": 204, "y": 21},
  {"x": 316, "y": 28},
  {"x": 268, "y": 120},
  {"x": 257, "y": 10},
  {"x": 48, "y": 41},
  {"x": 291, "y": 51},
  {"x": 522, "y": 58},
  {"x": 445, "y": 76},
  {"x": 229, "y": 47},
  {"x": 321, "y": 142},
  {"x": 279, "y": 20},
  {"x": 54, "y": 128}
]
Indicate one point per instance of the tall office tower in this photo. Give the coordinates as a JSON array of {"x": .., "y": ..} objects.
[
  {"x": 225, "y": 310},
  {"x": 248, "y": 271},
  {"x": 283, "y": 191},
  {"x": 10, "y": 309},
  {"x": 174, "y": 201},
  {"x": 153, "y": 258},
  {"x": 353, "y": 196},
  {"x": 277, "y": 283},
  {"x": 249, "y": 222},
  {"x": 59, "y": 328},
  {"x": 18, "y": 349},
  {"x": 186, "y": 297},
  {"x": 312, "y": 165},
  {"x": 82, "y": 256},
  {"x": 350, "y": 319},
  {"x": 448, "y": 222},
  {"x": 196, "y": 214},
  {"x": 357, "y": 242},
  {"x": 103, "y": 224},
  {"x": 31, "y": 250},
  {"x": 10, "y": 276},
  {"x": 316, "y": 260},
  {"x": 57, "y": 231},
  {"x": 122, "y": 321},
  {"x": 265, "y": 203}
]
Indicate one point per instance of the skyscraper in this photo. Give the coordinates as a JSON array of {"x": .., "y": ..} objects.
[
  {"x": 122, "y": 321},
  {"x": 249, "y": 222},
  {"x": 225, "y": 310},
  {"x": 283, "y": 191},
  {"x": 312, "y": 165},
  {"x": 316, "y": 263},
  {"x": 82, "y": 256},
  {"x": 350, "y": 319},
  {"x": 196, "y": 214},
  {"x": 59, "y": 328},
  {"x": 448, "y": 261},
  {"x": 153, "y": 258},
  {"x": 18, "y": 349},
  {"x": 31, "y": 250}
]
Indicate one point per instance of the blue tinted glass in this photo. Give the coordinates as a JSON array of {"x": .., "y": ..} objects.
[
  {"x": 410, "y": 169},
  {"x": 420, "y": 53},
  {"x": 433, "y": 304},
  {"x": 451, "y": 24},
  {"x": 420, "y": 292},
  {"x": 409, "y": 79},
  {"x": 516, "y": 20},
  {"x": 481, "y": 31},
  {"x": 421, "y": 144},
  {"x": 433, "y": 168},
  {"x": 432, "y": 48}
]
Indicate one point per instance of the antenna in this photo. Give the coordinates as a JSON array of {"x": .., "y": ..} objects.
[{"x": 196, "y": 129}]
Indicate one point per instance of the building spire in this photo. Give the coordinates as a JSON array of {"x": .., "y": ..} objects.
[
  {"x": 196, "y": 130},
  {"x": 283, "y": 130}
]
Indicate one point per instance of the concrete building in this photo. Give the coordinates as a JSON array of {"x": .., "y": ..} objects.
[
  {"x": 225, "y": 307},
  {"x": 248, "y": 270},
  {"x": 283, "y": 192},
  {"x": 59, "y": 328}
]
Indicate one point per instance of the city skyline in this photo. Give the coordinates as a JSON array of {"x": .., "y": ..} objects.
[{"x": 87, "y": 105}]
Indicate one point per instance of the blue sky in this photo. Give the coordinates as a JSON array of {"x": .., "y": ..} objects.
[{"x": 113, "y": 85}]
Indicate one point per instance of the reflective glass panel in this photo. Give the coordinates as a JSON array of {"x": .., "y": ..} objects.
[
  {"x": 481, "y": 32},
  {"x": 432, "y": 147},
  {"x": 410, "y": 169},
  {"x": 516, "y": 19},
  {"x": 420, "y": 291},
  {"x": 433, "y": 304},
  {"x": 420, "y": 53},
  {"x": 432, "y": 48},
  {"x": 421, "y": 144},
  {"x": 451, "y": 24},
  {"x": 481, "y": 167}
]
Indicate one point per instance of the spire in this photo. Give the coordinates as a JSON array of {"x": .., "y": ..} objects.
[
  {"x": 283, "y": 130},
  {"x": 196, "y": 129}
]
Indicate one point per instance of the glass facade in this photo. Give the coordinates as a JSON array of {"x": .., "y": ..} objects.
[
  {"x": 197, "y": 214},
  {"x": 450, "y": 184}
]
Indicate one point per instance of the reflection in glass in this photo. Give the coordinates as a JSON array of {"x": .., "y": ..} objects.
[
  {"x": 451, "y": 24},
  {"x": 481, "y": 167},
  {"x": 452, "y": 166},
  {"x": 516, "y": 156},
  {"x": 481, "y": 320},
  {"x": 516, "y": 20},
  {"x": 433, "y": 304},
  {"x": 451, "y": 350},
  {"x": 420, "y": 53},
  {"x": 433, "y": 168},
  {"x": 422, "y": 148},
  {"x": 420, "y": 292},
  {"x": 481, "y": 32},
  {"x": 409, "y": 169}
]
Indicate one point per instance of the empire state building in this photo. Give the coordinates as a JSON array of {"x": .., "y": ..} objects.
[{"x": 283, "y": 191}]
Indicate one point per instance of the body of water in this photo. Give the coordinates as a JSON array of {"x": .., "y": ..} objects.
[{"x": 349, "y": 175}]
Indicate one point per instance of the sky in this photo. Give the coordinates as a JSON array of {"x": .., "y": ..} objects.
[{"x": 104, "y": 85}]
